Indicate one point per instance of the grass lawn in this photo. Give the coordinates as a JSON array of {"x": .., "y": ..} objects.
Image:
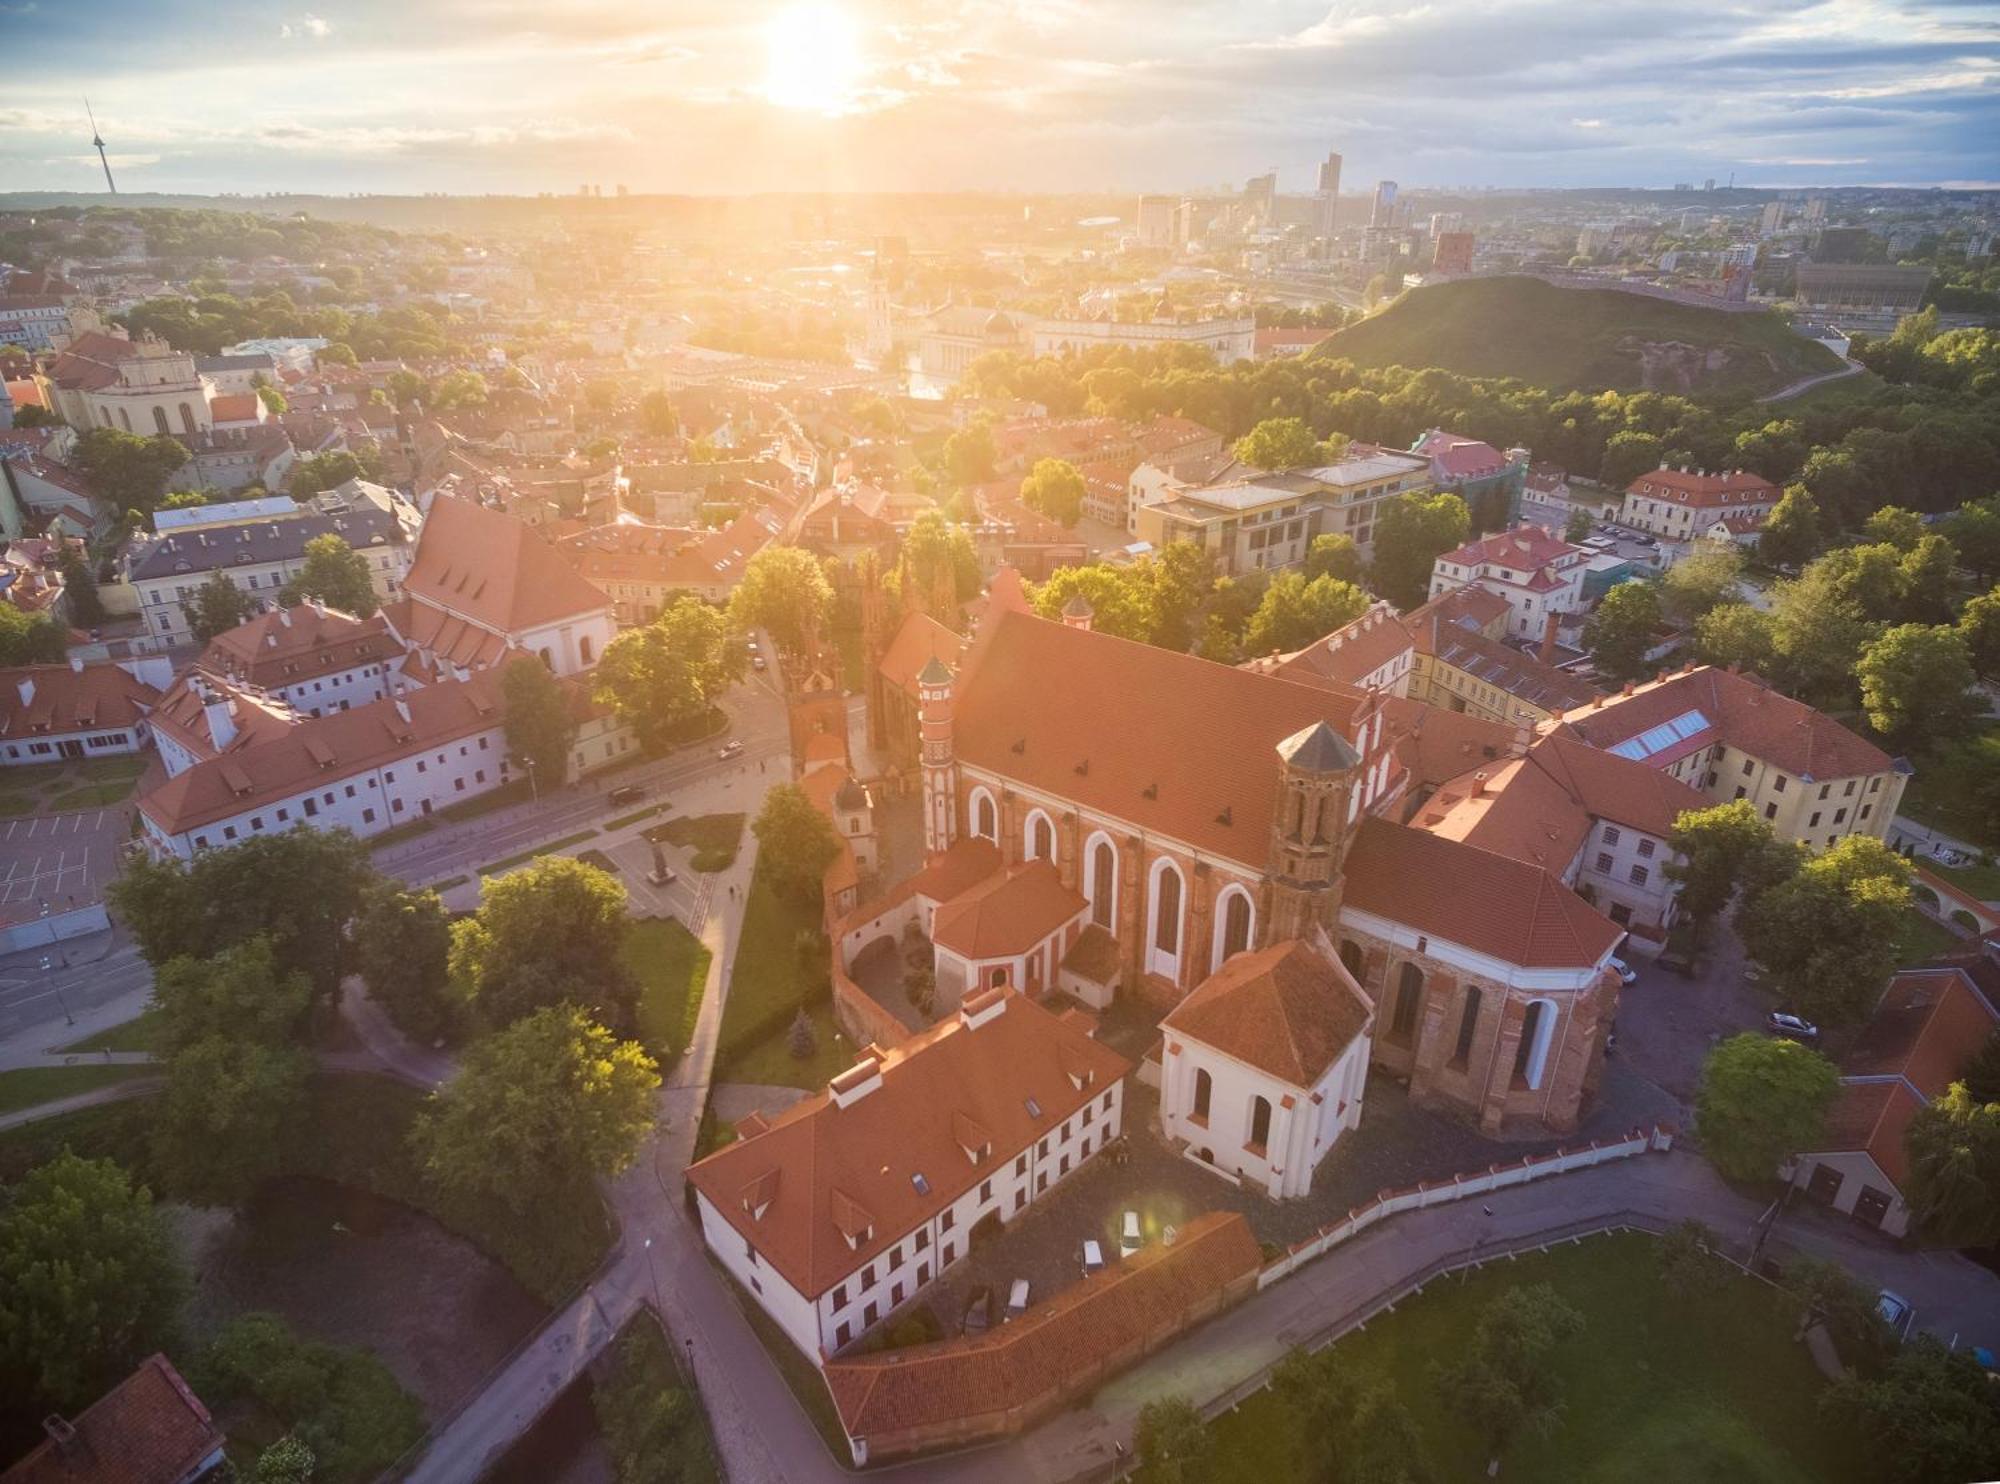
[
  {"x": 1922, "y": 940},
  {"x": 1979, "y": 881},
  {"x": 28, "y": 1087},
  {"x": 1942, "y": 792},
  {"x": 715, "y": 838},
  {"x": 671, "y": 965},
  {"x": 764, "y": 994},
  {"x": 1657, "y": 1387},
  {"x": 92, "y": 795},
  {"x": 137, "y": 1034},
  {"x": 634, "y": 817},
  {"x": 84, "y": 783}
]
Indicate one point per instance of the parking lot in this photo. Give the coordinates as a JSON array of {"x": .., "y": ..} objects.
[{"x": 57, "y": 861}]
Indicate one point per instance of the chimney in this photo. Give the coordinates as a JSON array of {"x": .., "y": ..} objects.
[
  {"x": 76, "y": 664},
  {"x": 1628, "y": 689},
  {"x": 402, "y": 708},
  {"x": 1547, "y": 653},
  {"x": 285, "y": 618},
  {"x": 215, "y": 709},
  {"x": 1479, "y": 784},
  {"x": 27, "y": 690}
]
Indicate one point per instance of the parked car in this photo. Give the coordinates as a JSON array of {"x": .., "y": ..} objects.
[
  {"x": 1793, "y": 1027},
  {"x": 1017, "y": 1300},
  {"x": 979, "y": 1310},
  {"x": 1129, "y": 1239},
  {"x": 1897, "y": 1312},
  {"x": 627, "y": 793},
  {"x": 757, "y": 663},
  {"x": 1625, "y": 972},
  {"x": 729, "y": 749},
  {"x": 1093, "y": 1258},
  {"x": 1679, "y": 961}
]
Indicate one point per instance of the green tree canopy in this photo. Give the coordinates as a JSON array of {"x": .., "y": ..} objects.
[
  {"x": 657, "y": 417},
  {"x": 943, "y": 565},
  {"x": 30, "y": 639},
  {"x": 1119, "y": 606},
  {"x": 1894, "y": 526},
  {"x": 662, "y": 678},
  {"x": 1624, "y": 628},
  {"x": 1826, "y": 934},
  {"x": 1349, "y": 1428},
  {"x": 1295, "y": 612},
  {"x": 402, "y": 950},
  {"x": 1701, "y": 582},
  {"x": 1975, "y": 531},
  {"x": 1054, "y": 488},
  {"x": 125, "y": 469},
  {"x": 1331, "y": 554},
  {"x": 1411, "y": 533},
  {"x": 91, "y": 1281},
  {"x": 551, "y": 932},
  {"x": 551, "y": 1094},
  {"x": 336, "y": 574},
  {"x": 1173, "y": 1444},
  {"x": 1736, "y": 634},
  {"x": 784, "y": 592},
  {"x": 1979, "y": 627},
  {"x": 1930, "y": 1415},
  {"x": 1710, "y": 848},
  {"x": 1954, "y": 1181},
  {"x": 217, "y": 606},
  {"x": 1760, "y": 1102},
  {"x": 1577, "y": 527},
  {"x": 1503, "y": 1383},
  {"x": 540, "y": 725},
  {"x": 1792, "y": 531},
  {"x": 1917, "y": 685},
  {"x": 795, "y": 842},
  {"x": 1279, "y": 443},
  {"x": 970, "y": 454}
]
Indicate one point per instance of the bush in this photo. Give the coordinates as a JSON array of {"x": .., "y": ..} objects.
[
  {"x": 654, "y": 1430},
  {"x": 801, "y": 1041}
]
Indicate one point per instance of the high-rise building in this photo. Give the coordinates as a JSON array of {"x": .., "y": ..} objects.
[
  {"x": 1156, "y": 221},
  {"x": 1709, "y": 184},
  {"x": 1385, "y": 204},
  {"x": 1446, "y": 221},
  {"x": 1188, "y": 222},
  {"x": 1773, "y": 219},
  {"x": 1815, "y": 210},
  {"x": 1453, "y": 253},
  {"x": 1260, "y": 198},
  {"x": 1329, "y": 193}
]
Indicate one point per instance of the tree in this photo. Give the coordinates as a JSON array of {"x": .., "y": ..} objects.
[
  {"x": 338, "y": 353},
  {"x": 1348, "y": 1428},
  {"x": 1735, "y": 635},
  {"x": 1709, "y": 849},
  {"x": 236, "y": 1075},
  {"x": 1279, "y": 443},
  {"x": 1331, "y": 554},
  {"x": 1917, "y": 685},
  {"x": 943, "y": 565},
  {"x": 1982, "y": 1074},
  {"x": 1931, "y": 1415},
  {"x": 1054, "y": 488},
  {"x": 1837, "y": 1299},
  {"x": 800, "y": 1040},
  {"x": 784, "y": 592},
  {"x": 1295, "y": 612},
  {"x": 1760, "y": 1102},
  {"x": 1979, "y": 627},
  {"x": 456, "y": 389},
  {"x": 1954, "y": 1181},
  {"x": 217, "y": 606},
  {"x": 1412, "y": 532},
  {"x": 1894, "y": 526},
  {"x": 551, "y": 932},
  {"x": 125, "y": 469},
  {"x": 290, "y": 1460},
  {"x": 299, "y": 890},
  {"x": 666, "y": 676},
  {"x": 1173, "y": 1444},
  {"x": 407, "y": 387},
  {"x": 970, "y": 454},
  {"x": 1826, "y": 934},
  {"x": 1119, "y": 605},
  {"x": 652, "y": 1427},
  {"x": 1623, "y": 630},
  {"x": 34, "y": 416},
  {"x": 183, "y": 499},
  {"x": 91, "y": 1281},
  {"x": 273, "y": 400},
  {"x": 1975, "y": 531},
  {"x": 1502, "y": 1384},
  {"x": 1817, "y": 633},
  {"x": 336, "y": 574},
  {"x": 795, "y": 842},
  {"x": 86, "y": 609},
  {"x": 1577, "y": 527},
  {"x": 1690, "y": 1264},
  {"x": 323, "y": 471},
  {"x": 657, "y": 418},
  {"x": 402, "y": 950},
  {"x": 541, "y": 727},
  {"x": 1701, "y": 582},
  {"x": 552, "y": 1094},
  {"x": 1791, "y": 535},
  {"x": 1629, "y": 454},
  {"x": 30, "y": 640}
]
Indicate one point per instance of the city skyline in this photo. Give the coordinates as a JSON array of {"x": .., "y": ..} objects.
[{"x": 480, "y": 95}]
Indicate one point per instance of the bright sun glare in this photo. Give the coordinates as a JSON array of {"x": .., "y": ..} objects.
[{"x": 814, "y": 59}]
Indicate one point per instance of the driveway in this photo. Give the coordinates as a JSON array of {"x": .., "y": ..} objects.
[
  {"x": 1667, "y": 1024},
  {"x": 57, "y": 861}
]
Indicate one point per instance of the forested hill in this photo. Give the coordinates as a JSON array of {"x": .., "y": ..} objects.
[{"x": 1581, "y": 339}]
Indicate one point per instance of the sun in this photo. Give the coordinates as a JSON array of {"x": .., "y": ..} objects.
[{"x": 813, "y": 57}]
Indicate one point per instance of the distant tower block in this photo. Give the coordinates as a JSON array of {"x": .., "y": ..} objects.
[{"x": 97, "y": 143}]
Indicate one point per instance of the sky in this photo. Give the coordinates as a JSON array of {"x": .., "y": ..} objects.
[{"x": 728, "y": 96}]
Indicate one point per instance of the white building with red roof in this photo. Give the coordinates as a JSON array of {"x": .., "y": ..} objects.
[
  {"x": 1680, "y": 504},
  {"x": 52, "y": 712},
  {"x": 1536, "y": 573}
]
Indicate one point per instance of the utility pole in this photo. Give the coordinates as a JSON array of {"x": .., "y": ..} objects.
[{"x": 97, "y": 142}]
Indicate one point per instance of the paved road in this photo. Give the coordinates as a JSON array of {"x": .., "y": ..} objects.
[
  {"x": 1806, "y": 383},
  {"x": 93, "y": 983}
]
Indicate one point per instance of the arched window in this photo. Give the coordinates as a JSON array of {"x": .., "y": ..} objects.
[
  {"x": 1350, "y": 958},
  {"x": 1260, "y": 1123},
  {"x": 125, "y": 418},
  {"x": 1204, "y": 1089},
  {"x": 1164, "y": 954},
  {"x": 1103, "y": 883},
  {"x": 1038, "y": 838},
  {"x": 583, "y": 648},
  {"x": 1237, "y": 921},
  {"x": 547, "y": 658},
  {"x": 1532, "y": 1055},
  {"x": 187, "y": 419},
  {"x": 1409, "y": 996},
  {"x": 985, "y": 817},
  {"x": 1468, "y": 1025},
  {"x": 160, "y": 418}
]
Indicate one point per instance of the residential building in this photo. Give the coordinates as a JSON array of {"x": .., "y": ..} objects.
[
  {"x": 139, "y": 386},
  {"x": 482, "y": 582},
  {"x": 1929, "y": 1025},
  {"x": 33, "y": 321},
  {"x": 1731, "y": 736},
  {"x": 1489, "y": 481},
  {"x": 313, "y": 658},
  {"x": 1535, "y": 573},
  {"x": 1154, "y": 221},
  {"x": 237, "y": 375},
  {"x": 1372, "y": 652},
  {"x": 148, "y": 1429},
  {"x": 642, "y": 568},
  {"x": 1251, "y": 521},
  {"x": 49, "y": 713},
  {"x": 1677, "y": 504},
  {"x": 1227, "y": 339},
  {"x": 1451, "y": 254},
  {"x": 840, "y": 1211},
  {"x": 258, "y": 556},
  {"x": 1460, "y": 664},
  {"x": 1264, "y": 1066}
]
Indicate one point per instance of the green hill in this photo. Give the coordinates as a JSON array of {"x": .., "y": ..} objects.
[{"x": 1581, "y": 339}]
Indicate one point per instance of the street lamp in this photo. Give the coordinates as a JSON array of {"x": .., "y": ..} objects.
[
  {"x": 534, "y": 785},
  {"x": 691, "y": 1376},
  {"x": 653, "y": 1273},
  {"x": 49, "y": 966}
]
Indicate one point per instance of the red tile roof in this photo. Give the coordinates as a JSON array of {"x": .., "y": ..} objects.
[
  {"x": 919, "y": 639},
  {"x": 1525, "y": 547},
  {"x": 58, "y": 700},
  {"x": 1869, "y": 1118},
  {"x": 1347, "y": 656},
  {"x": 450, "y": 641},
  {"x": 1456, "y": 457},
  {"x": 1285, "y": 1010},
  {"x": 495, "y": 570},
  {"x": 285, "y": 646},
  {"x": 1112, "y": 1314},
  {"x": 148, "y": 1429},
  {"x": 1930, "y": 1023},
  {"x": 820, "y": 1167},
  {"x": 90, "y": 362},
  {"x": 1007, "y": 914},
  {"x": 1490, "y": 903},
  {"x": 1699, "y": 491},
  {"x": 235, "y": 407}
]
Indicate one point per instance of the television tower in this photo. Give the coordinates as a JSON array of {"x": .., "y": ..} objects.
[{"x": 97, "y": 142}]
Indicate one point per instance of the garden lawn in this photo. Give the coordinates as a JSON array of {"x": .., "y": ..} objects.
[
  {"x": 1923, "y": 939},
  {"x": 1943, "y": 791},
  {"x": 1982, "y": 882},
  {"x": 765, "y": 992},
  {"x": 137, "y": 1034},
  {"x": 671, "y": 965},
  {"x": 713, "y": 837},
  {"x": 1700, "y": 1390},
  {"x": 28, "y": 1087}
]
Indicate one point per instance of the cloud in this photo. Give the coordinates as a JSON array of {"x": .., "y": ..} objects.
[{"x": 308, "y": 27}]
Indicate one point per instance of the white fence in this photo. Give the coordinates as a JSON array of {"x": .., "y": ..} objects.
[
  {"x": 1389, "y": 1203},
  {"x": 40, "y": 932}
]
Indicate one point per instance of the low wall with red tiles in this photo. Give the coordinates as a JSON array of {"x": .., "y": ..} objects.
[{"x": 1946, "y": 899}]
